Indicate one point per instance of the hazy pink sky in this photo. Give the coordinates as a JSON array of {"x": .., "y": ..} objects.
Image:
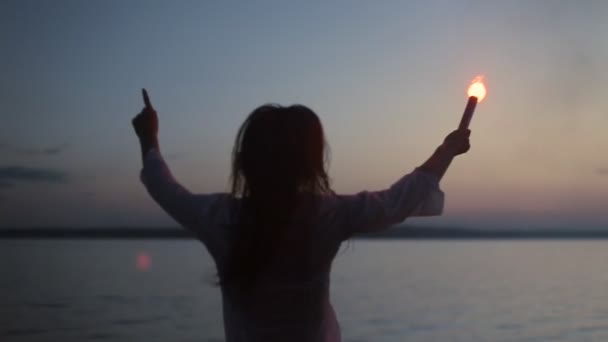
[{"x": 387, "y": 78}]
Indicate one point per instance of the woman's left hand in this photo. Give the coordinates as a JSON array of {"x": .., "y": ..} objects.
[{"x": 457, "y": 142}]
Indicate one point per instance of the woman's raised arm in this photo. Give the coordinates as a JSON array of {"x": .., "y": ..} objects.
[
  {"x": 195, "y": 212},
  {"x": 415, "y": 194}
]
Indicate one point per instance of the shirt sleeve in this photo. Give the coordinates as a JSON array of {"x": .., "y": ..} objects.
[
  {"x": 415, "y": 194},
  {"x": 198, "y": 213}
]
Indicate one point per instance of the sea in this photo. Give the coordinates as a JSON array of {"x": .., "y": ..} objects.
[{"x": 382, "y": 290}]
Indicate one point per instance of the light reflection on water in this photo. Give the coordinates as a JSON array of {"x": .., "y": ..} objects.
[{"x": 382, "y": 291}]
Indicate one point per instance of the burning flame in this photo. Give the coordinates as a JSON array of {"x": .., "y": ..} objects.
[{"x": 477, "y": 88}]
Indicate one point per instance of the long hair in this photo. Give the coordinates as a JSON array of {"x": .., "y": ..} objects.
[{"x": 279, "y": 157}]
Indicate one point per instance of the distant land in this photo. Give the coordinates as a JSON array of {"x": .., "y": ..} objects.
[{"x": 397, "y": 232}]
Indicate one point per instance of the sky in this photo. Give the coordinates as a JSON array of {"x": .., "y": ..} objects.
[{"x": 387, "y": 78}]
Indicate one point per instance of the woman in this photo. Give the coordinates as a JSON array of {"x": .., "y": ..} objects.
[{"x": 273, "y": 238}]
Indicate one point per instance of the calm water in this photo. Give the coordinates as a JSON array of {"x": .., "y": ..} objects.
[{"x": 382, "y": 291}]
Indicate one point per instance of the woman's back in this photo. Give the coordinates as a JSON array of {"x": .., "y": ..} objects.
[{"x": 289, "y": 299}]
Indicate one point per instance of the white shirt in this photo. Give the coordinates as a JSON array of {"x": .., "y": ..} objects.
[{"x": 290, "y": 302}]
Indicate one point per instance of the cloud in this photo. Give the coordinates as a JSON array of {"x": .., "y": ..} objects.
[
  {"x": 4, "y": 185},
  {"x": 602, "y": 171},
  {"x": 48, "y": 151},
  {"x": 14, "y": 173},
  {"x": 44, "y": 151}
]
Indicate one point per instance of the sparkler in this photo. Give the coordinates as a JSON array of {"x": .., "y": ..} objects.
[{"x": 476, "y": 92}]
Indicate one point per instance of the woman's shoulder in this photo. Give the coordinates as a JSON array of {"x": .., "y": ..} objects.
[{"x": 217, "y": 206}]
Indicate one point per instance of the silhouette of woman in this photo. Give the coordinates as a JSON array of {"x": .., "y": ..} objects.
[{"x": 273, "y": 238}]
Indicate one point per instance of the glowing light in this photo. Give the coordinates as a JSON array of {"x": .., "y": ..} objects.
[
  {"x": 143, "y": 261},
  {"x": 477, "y": 88}
]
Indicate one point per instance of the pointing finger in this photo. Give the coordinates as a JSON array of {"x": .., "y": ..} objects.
[{"x": 146, "y": 98}]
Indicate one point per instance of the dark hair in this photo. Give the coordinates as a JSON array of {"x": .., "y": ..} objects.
[{"x": 279, "y": 157}]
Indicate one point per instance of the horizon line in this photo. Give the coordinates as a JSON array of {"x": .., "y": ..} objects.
[{"x": 395, "y": 232}]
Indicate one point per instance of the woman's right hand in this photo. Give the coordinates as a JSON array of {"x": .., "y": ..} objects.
[
  {"x": 145, "y": 123},
  {"x": 457, "y": 142}
]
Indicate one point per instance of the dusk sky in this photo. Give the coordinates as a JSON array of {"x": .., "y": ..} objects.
[{"x": 387, "y": 78}]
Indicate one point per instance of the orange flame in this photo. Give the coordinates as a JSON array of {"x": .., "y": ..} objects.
[{"x": 477, "y": 88}]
